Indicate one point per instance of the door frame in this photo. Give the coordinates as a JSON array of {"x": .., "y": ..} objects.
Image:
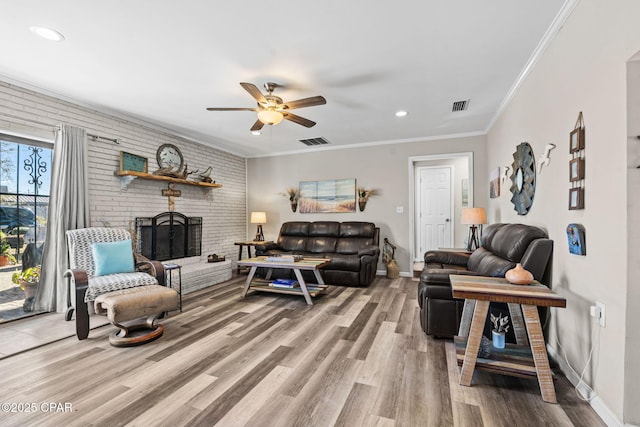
[
  {"x": 413, "y": 161},
  {"x": 417, "y": 196}
]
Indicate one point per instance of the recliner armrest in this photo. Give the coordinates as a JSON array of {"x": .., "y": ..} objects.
[
  {"x": 447, "y": 257},
  {"x": 154, "y": 268},
  {"x": 81, "y": 281},
  {"x": 370, "y": 250},
  {"x": 267, "y": 247}
]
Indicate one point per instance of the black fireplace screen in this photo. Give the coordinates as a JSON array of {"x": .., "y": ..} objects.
[{"x": 169, "y": 235}]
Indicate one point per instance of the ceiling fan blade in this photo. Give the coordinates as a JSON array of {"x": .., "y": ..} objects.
[
  {"x": 254, "y": 91},
  {"x": 306, "y": 102},
  {"x": 299, "y": 120},
  {"x": 231, "y": 109},
  {"x": 256, "y": 126}
]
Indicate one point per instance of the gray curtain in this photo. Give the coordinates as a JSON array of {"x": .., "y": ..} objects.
[{"x": 68, "y": 210}]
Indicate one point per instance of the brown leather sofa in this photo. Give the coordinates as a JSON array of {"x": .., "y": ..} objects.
[
  {"x": 503, "y": 245},
  {"x": 352, "y": 246}
]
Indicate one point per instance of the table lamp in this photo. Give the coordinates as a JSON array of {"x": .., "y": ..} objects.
[
  {"x": 474, "y": 217},
  {"x": 259, "y": 218}
]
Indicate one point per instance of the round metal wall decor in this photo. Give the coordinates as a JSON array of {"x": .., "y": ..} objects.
[
  {"x": 523, "y": 178},
  {"x": 170, "y": 157}
]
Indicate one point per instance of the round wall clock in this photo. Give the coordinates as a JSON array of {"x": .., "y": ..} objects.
[
  {"x": 169, "y": 156},
  {"x": 523, "y": 178}
]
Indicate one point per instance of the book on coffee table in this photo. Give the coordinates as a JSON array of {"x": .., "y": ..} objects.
[
  {"x": 284, "y": 258},
  {"x": 285, "y": 283}
]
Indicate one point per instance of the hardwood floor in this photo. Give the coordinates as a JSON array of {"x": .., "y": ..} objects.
[{"x": 358, "y": 357}]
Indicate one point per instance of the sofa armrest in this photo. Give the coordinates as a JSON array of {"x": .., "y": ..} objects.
[
  {"x": 268, "y": 246},
  {"x": 440, "y": 276},
  {"x": 369, "y": 250},
  {"x": 447, "y": 257}
]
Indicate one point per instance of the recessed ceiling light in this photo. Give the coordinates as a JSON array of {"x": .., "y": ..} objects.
[
  {"x": 47, "y": 33},
  {"x": 256, "y": 132},
  {"x": 401, "y": 113}
]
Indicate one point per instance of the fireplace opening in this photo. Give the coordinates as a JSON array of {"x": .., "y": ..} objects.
[{"x": 169, "y": 235}]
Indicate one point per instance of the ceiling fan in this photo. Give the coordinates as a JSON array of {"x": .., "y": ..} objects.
[{"x": 271, "y": 109}]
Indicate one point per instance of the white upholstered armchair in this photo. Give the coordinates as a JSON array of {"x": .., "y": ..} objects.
[{"x": 101, "y": 260}]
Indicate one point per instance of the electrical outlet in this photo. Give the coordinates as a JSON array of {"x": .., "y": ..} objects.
[{"x": 602, "y": 313}]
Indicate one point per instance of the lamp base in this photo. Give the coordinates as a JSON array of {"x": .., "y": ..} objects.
[
  {"x": 259, "y": 235},
  {"x": 473, "y": 242}
]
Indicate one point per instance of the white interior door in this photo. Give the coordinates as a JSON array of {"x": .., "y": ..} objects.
[{"x": 434, "y": 209}]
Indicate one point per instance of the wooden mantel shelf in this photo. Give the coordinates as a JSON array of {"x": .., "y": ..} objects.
[{"x": 129, "y": 176}]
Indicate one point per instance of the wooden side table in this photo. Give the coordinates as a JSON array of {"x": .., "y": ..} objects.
[
  {"x": 516, "y": 359},
  {"x": 248, "y": 244}
]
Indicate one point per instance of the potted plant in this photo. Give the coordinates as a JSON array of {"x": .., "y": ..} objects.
[
  {"x": 500, "y": 328},
  {"x": 5, "y": 247},
  {"x": 293, "y": 194},
  {"x": 28, "y": 280},
  {"x": 363, "y": 197}
]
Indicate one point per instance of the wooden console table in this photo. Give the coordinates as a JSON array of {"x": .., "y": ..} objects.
[{"x": 478, "y": 292}]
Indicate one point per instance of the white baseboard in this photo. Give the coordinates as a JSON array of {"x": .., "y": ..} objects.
[
  {"x": 402, "y": 273},
  {"x": 596, "y": 403}
]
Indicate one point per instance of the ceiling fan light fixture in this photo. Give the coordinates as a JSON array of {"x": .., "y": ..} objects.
[
  {"x": 47, "y": 33},
  {"x": 256, "y": 132},
  {"x": 270, "y": 117}
]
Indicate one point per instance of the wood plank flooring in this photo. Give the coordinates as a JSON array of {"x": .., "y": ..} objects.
[{"x": 358, "y": 357}]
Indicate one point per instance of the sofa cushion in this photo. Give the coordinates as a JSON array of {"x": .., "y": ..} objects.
[
  {"x": 317, "y": 245},
  {"x": 486, "y": 263},
  {"x": 355, "y": 236},
  {"x": 293, "y": 236},
  {"x": 512, "y": 240},
  {"x": 324, "y": 228},
  {"x": 323, "y": 237},
  {"x": 357, "y": 229}
]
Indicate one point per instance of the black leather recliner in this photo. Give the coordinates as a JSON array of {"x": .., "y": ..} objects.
[
  {"x": 352, "y": 246},
  {"x": 503, "y": 245}
]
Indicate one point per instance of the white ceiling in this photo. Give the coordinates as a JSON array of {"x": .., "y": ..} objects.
[{"x": 165, "y": 61}]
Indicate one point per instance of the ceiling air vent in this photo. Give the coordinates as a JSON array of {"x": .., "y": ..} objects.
[
  {"x": 314, "y": 141},
  {"x": 460, "y": 105}
]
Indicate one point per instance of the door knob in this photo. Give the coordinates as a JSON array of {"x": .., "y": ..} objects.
[{"x": 447, "y": 220}]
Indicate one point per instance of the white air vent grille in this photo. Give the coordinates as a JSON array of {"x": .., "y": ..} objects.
[
  {"x": 314, "y": 141},
  {"x": 460, "y": 105}
]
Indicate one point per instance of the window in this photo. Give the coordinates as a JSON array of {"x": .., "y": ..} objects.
[{"x": 25, "y": 181}]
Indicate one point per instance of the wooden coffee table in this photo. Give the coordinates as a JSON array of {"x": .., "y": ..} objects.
[
  {"x": 527, "y": 357},
  {"x": 248, "y": 244},
  {"x": 308, "y": 290}
]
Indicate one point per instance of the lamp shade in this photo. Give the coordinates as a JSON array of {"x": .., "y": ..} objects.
[
  {"x": 474, "y": 216},
  {"x": 258, "y": 218},
  {"x": 269, "y": 117}
]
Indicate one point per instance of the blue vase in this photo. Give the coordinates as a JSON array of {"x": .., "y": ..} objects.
[{"x": 498, "y": 339}]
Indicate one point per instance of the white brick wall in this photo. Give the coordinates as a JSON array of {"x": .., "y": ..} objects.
[{"x": 223, "y": 209}]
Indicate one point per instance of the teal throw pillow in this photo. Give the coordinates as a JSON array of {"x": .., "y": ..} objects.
[{"x": 112, "y": 257}]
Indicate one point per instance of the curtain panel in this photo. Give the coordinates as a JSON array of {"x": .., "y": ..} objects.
[{"x": 68, "y": 210}]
